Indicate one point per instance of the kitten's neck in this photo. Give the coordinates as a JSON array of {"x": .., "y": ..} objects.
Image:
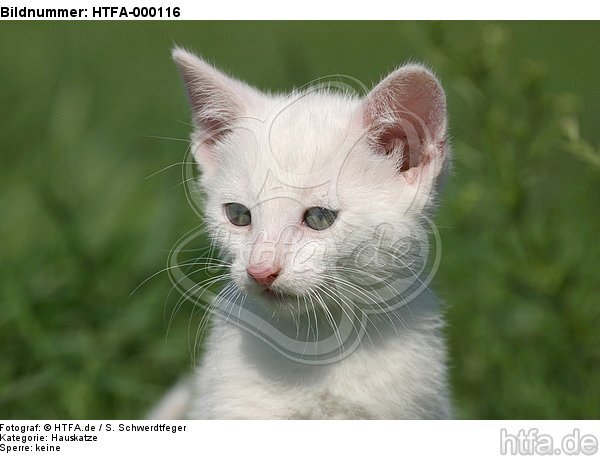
[{"x": 321, "y": 335}]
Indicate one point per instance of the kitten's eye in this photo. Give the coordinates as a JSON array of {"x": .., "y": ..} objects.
[
  {"x": 319, "y": 218},
  {"x": 238, "y": 214}
]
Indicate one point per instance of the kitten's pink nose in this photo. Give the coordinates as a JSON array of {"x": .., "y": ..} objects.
[{"x": 263, "y": 276}]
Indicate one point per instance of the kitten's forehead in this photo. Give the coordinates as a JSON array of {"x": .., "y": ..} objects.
[
  {"x": 318, "y": 123},
  {"x": 300, "y": 145},
  {"x": 288, "y": 186},
  {"x": 262, "y": 177}
]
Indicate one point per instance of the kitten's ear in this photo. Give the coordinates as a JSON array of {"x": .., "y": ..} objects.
[
  {"x": 216, "y": 100},
  {"x": 405, "y": 117}
]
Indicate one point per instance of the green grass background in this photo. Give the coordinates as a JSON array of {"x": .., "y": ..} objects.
[{"x": 82, "y": 224}]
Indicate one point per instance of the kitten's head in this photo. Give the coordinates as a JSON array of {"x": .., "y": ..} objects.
[{"x": 317, "y": 195}]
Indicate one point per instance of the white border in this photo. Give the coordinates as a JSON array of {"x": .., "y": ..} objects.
[
  {"x": 301, "y": 438},
  {"x": 342, "y": 9}
]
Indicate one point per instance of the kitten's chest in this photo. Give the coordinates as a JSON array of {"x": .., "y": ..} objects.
[
  {"x": 242, "y": 378},
  {"x": 224, "y": 393}
]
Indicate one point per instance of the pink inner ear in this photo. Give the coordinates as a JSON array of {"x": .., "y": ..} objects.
[
  {"x": 213, "y": 130},
  {"x": 401, "y": 138},
  {"x": 405, "y": 113},
  {"x": 215, "y": 99},
  {"x": 213, "y": 107}
]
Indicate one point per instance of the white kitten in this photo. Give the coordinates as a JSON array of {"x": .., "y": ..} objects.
[{"x": 318, "y": 201}]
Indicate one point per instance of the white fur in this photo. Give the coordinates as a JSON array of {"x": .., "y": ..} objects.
[
  {"x": 279, "y": 155},
  {"x": 402, "y": 376}
]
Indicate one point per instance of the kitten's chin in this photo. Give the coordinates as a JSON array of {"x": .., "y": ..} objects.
[{"x": 283, "y": 303}]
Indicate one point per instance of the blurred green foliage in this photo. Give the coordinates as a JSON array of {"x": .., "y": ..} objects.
[{"x": 91, "y": 203}]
